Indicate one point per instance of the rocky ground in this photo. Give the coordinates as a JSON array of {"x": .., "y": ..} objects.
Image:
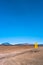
[{"x": 22, "y": 56}]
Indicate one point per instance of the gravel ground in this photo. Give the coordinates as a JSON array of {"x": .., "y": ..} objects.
[{"x": 25, "y": 57}]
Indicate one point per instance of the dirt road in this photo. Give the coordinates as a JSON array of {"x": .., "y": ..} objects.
[{"x": 23, "y": 57}]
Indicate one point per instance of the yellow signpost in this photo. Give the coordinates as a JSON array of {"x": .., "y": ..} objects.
[{"x": 36, "y": 45}]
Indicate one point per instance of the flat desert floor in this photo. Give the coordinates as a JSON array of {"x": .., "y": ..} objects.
[{"x": 21, "y": 55}]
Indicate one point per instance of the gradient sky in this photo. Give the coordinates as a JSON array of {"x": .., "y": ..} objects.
[{"x": 21, "y": 21}]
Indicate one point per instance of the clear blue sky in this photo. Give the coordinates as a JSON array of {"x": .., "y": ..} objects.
[{"x": 21, "y": 19}]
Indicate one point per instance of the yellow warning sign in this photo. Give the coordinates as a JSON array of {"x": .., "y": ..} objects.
[{"x": 36, "y": 45}]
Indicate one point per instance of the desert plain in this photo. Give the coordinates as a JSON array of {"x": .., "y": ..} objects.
[{"x": 21, "y": 55}]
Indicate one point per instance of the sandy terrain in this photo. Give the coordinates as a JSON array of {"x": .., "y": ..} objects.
[{"x": 21, "y": 55}]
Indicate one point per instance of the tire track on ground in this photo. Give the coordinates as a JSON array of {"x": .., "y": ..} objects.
[{"x": 19, "y": 53}]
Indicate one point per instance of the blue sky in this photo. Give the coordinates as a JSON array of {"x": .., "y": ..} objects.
[{"x": 21, "y": 21}]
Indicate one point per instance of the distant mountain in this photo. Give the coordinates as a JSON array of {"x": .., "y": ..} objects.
[
  {"x": 6, "y": 44},
  {"x": 18, "y": 44},
  {"x": 40, "y": 44},
  {"x": 21, "y": 44}
]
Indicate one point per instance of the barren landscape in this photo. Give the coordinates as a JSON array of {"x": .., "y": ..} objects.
[{"x": 21, "y": 55}]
